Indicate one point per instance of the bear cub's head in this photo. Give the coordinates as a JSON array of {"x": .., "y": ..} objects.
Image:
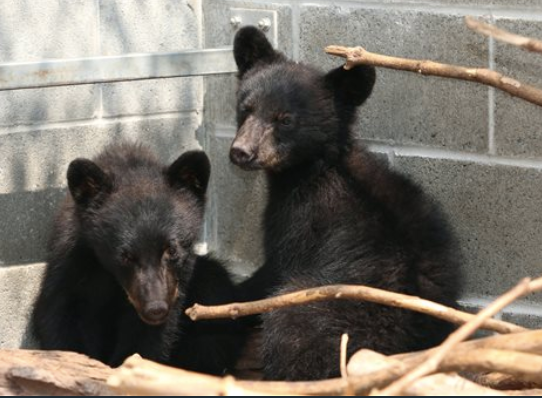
[
  {"x": 140, "y": 219},
  {"x": 289, "y": 113}
]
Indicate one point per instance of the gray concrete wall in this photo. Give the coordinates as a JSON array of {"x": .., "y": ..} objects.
[
  {"x": 42, "y": 130},
  {"x": 476, "y": 150}
]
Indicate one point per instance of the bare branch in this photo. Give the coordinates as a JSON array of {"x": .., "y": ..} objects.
[
  {"x": 29, "y": 372},
  {"x": 343, "y": 358},
  {"x": 138, "y": 376},
  {"x": 364, "y": 362},
  {"x": 431, "y": 365},
  {"x": 360, "y": 56},
  {"x": 346, "y": 292},
  {"x": 504, "y": 36}
]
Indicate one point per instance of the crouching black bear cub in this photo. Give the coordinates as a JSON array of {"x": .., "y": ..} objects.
[
  {"x": 335, "y": 214},
  {"x": 121, "y": 266}
]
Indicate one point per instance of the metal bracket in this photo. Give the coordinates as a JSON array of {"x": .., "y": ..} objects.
[
  {"x": 67, "y": 72},
  {"x": 266, "y": 20}
]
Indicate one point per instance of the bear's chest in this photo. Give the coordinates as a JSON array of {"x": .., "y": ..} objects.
[{"x": 311, "y": 219}]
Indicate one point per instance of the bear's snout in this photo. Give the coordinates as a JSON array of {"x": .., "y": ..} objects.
[
  {"x": 155, "y": 312},
  {"x": 240, "y": 155}
]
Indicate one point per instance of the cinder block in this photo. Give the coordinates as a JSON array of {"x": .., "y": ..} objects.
[
  {"x": 129, "y": 26},
  {"x": 19, "y": 286},
  {"x": 238, "y": 200},
  {"x": 495, "y": 211},
  {"x": 220, "y": 90},
  {"x": 27, "y": 219},
  {"x": 47, "y": 29},
  {"x": 531, "y": 319},
  {"x": 518, "y": 124},
  {"x": 479, "y": 4},
  {"x": 46, "y": 105},
  {"x": 33, "y": 167},
  {"x": 406, "y": 108},
  {"x": 502, "y": 4},
  {"x": 44, "y": 30}
]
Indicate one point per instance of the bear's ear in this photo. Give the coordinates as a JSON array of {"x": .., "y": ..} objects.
[
  {"x": 87, "y": 181},
  {"x": 191, "y": 170},
  {"x": 250, "y": 46},
  {"x": 353, "y": 86}
]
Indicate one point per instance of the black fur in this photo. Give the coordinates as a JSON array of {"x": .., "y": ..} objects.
[
  {"x": 121, "y": 267},
  {"x": 335, "y": 215}
]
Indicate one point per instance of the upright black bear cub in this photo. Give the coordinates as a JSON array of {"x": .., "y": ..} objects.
[
  {"x": 121, "y": 266},
  {"x": 335, "y": 215}
]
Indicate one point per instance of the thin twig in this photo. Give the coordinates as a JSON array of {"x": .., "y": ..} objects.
[
  {"x": 346, "y": 292},
  {"x": 344, "y": 358},
  {"x": 432, "y": 363},
  {"x": 359, "y": 56},
  {"x": 527, "y": 43}
]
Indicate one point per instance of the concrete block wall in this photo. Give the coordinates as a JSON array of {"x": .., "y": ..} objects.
[
  {"x": 42, "y": 130},
  {"x": 476, "y": 150}
]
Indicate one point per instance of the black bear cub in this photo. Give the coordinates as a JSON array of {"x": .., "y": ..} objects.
[
  {"x": 335, "y": 215},
  {"x": 121, "y": 267}
]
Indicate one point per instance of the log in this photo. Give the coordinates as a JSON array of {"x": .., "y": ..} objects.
[{"x": 30, "y": 372}]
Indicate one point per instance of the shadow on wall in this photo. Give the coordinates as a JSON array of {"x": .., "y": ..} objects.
[{"x": 56, "y": 29}]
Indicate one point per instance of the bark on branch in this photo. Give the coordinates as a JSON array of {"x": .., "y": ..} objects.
[
  {"x": 138, "y": 376},
  {"x": 360, "y": 56},
  {"x": 346, "y": 292},
  {"x": 27, "y": 372},
  {"x": 432, "y": 363},
  {"x": 527, "y": 43}
]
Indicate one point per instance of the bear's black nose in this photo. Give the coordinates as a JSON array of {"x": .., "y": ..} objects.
[
  {"x": 240, "y": 156},
  {"x": 155, "y": 312}
]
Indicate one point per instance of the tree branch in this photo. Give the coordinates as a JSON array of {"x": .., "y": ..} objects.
[
  {"x": 365, "y": 362},
  {"x": 360, "y": 56},
  {"x": 139, "y": 376},
  {"x": 346, "y": 292},
  {"x": 432, "y": 363},
  {"x": 504, "y": 36},
  {"x": 29, "y": 372}
]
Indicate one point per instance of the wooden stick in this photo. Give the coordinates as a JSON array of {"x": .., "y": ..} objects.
[
  {"x": 138, "y": 376},
  {"x": 360, "y": 56},
  {"x": 431, "y": 365},
  {"x": 346, "y": 292},
  {"x": 344, "y": 355},
  {"x": 177, "y": 381},
  {"x": 451, "y": 385},
  {"x": 523, "y": 366},
  {"x": 527, "y": 43},
  {"x": 364, "y": 362},
  {"x": 32, "y": 372}
]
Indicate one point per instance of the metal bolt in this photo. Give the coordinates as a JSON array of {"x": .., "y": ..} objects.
[
  {"x": 235, "y": 22},
  {"x": 264, "y": 24}
]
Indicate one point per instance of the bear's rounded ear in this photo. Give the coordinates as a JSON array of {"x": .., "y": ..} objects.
[
  {"x": 353, "y": 86},
  {"x": 191, "y": 170},
  {"x": 250, "y": 46},
  {"x": 87, "y": 181}
]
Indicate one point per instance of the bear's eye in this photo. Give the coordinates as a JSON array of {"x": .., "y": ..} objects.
[
  {"x": 172, "y": 253},
  {"x": 126, "y": 259},
  {"x": 285, "y": 120},
  {"x": 245, "y": 109}
]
